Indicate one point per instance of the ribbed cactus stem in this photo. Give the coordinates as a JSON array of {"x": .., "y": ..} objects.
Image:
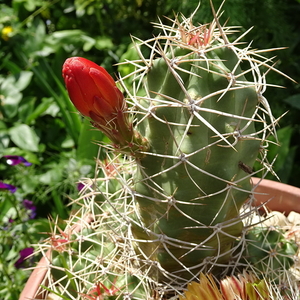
[{"x": 199, "y": 113}]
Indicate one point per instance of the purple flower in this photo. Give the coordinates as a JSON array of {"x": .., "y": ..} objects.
[
  {"x": 16, "y": 159},
  {"x": 80, "y": 186},
  {"x": 28, "y": 204},
  {"x": 31, "y": 207},
  {"x": 24, "y": 253},
  {"x": 7, "y": 186}
]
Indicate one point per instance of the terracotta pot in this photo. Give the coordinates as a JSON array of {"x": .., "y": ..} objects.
[
  {"x": 36, "y": 278},
  {"x": 38, "y": 275},
  {"x": 284, "y": 198},
  {"x": 277, "y": 196}
]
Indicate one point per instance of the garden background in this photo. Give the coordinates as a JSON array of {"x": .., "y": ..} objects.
[{"x": 45, "y": 146}]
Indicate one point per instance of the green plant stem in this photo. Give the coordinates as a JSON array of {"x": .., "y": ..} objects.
[{"x": 37, "y": 12}]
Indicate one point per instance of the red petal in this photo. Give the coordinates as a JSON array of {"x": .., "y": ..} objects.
[
  {"x": 75, "y": 75},
  {"x": 106, "y": 86}
]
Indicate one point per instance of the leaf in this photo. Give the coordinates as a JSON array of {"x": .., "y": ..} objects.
[
  {"x": 284, "y": 152},
  {"x": 89, "y": 138},
  {"x": 10, "y": 90},
  {"x": 24, "y": 137},
  {"x": 52, "y": 176},
  {"x": 25, "y": 108},
  {"x": 53, "y": 110},
  {"x": 104, "y": 43},
  {"x": 5, "y": 206},
  {"x": 66, "y": 36},
  {"x": 2, "y": 125},
  {"x": 284, "y": 136},
  {"x": 88, "y": 43},
  {"x": 294, "y": 101},
  {"x": 4, "y": 141},
  {"x": 30, "y": 5},
  {"x": 23, "y": 79},
  {"x": 40, "y": 109},
  {"x": 68, "y": 143},
  {"x": 10, "y": 104}
]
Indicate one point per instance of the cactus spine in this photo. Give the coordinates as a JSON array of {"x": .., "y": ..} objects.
[{"x": 172, "y": 210}]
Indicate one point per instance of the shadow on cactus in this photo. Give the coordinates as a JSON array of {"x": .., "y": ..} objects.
[{"x": 178, "y": 172}]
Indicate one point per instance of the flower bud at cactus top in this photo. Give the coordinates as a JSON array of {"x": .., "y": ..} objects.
[
  {"x": 92, "y": 90},
  {"x": 95, "y": 94}
]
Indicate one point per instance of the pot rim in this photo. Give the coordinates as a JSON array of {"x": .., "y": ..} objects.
[{"x": 277, "y": 196}]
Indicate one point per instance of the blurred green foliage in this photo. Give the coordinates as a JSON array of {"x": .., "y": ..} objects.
[{"x": 38, "y": 121}]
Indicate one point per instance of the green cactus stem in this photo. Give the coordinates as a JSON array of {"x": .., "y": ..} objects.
[
  {"x": 269, "y": 252},
  {"x": 200, "y": 112},
  {"x": 92, "y": 261}
]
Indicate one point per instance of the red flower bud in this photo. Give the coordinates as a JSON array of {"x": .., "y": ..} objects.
[
  {"x": 92, "y": 90},
  {"x": 95, "y": 94}
]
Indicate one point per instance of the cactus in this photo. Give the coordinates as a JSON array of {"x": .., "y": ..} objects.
[
  {"x": 199, "y": 113},
  {"x": 192, "y": 183},
  {"x": 267, "y": 250},
  {"x": 167, "y": 204},
  {"x": 90, "y": 258}
]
